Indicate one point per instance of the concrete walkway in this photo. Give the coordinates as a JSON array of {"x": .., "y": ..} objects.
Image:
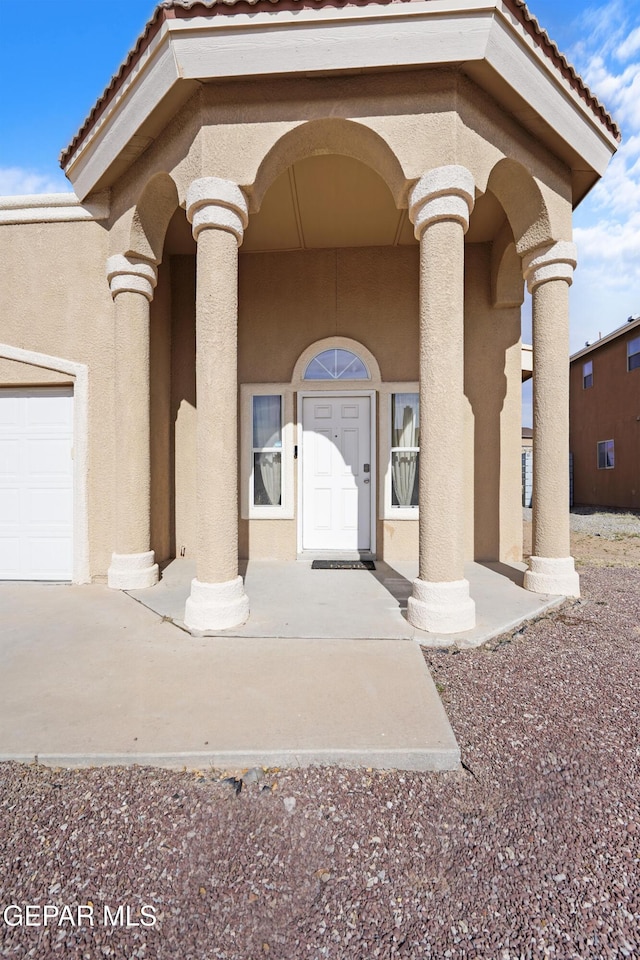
[{"x": 324, "y": 672}]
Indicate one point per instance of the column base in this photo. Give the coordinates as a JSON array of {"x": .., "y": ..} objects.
[
  {"x": 556, "y": 575},
  {"x": 441, "y": 607},
  {"x": 132, "y": 571},
  {"x": 216, "y": 606}
]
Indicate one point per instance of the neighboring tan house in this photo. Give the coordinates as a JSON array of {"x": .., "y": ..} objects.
[
  {"x": 605, "y": 419},
  {"x": 281, "y": 313}
]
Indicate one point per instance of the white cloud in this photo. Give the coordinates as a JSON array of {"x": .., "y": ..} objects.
[
  {"x": 607, "y": 223},
  {"x": 630, "y": 45},
  {"x": 18, "y": 180}
]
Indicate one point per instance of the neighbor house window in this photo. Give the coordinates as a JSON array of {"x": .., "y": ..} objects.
[
  {"x": 405, "y": 449},
  {"x": 336, "y": 364},
  {"x": 587, "y": 374},
  {"x": 633, "y": 354},
  {"x": 267, "y": 451},
  {"x": 606, "y": 455}
]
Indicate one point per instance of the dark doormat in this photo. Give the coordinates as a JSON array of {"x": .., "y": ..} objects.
[{"x": 343, "y": 565}]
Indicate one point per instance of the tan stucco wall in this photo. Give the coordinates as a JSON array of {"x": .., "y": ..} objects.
[
  {"x": 290, "y": 300},
  {"x": 14, "y": 373},
  {"x": 183, "y": 402},
  {"x": 54, "y": 300},
  {"x": 493, "y": 431},
  {"x": 162, "y": 480},
  {"x": 287, "y": 302}
]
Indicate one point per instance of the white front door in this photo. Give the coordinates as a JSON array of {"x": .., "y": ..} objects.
[
  {"x": 336, "y": 473},
  {"x": 36, "y": 483}
]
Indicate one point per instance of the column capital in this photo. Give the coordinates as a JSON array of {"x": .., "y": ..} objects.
[
  {"x": 444, "y": 193},
  {"x": 126, "y": 275},
  {"x": 555, "y": 261},
  {"x": 219, "y": 204}
]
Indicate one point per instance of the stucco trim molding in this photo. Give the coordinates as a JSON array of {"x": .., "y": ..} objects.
[
  {"x": 555, "y": 262},
  {"x": 80, "y": 374},
  {"x": 330, "y": 343},
  {"x": 444, "y": 193},
  {"x": 443, "y": 607},
  {"x": 216, "y": 606},
  {"x": 52, "y": 208},
  {"x": 125, "y": 275},
  {"x": 553, "y": 575},
  {"x": 133, "y": 571},
  {"x": 218, "y": 204}
]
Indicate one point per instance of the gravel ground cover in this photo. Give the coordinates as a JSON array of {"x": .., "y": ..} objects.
[
  {"x": 533, "y": 850},
  {"x": 599, "y": 521}
]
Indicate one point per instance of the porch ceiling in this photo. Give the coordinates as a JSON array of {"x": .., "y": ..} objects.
[{"x": 332, "y": 201}]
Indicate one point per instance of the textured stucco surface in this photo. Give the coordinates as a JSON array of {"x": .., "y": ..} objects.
[
  {"x": 492, "y": 388},
  {"x": 550, "y": 309},
  {"x": 55, "y": 301},
  {"x": 14, "y": 373}
]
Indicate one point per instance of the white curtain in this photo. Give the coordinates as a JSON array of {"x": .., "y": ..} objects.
[
  {"x": 271, "y": 471},
  {"x": 267, "y": 433},
  {"x": 404, "y": 463},
  {"x": 404, "y": 476}
]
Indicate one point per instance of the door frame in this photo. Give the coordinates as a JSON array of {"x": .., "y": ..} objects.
[{"x": 303, "y": 395}]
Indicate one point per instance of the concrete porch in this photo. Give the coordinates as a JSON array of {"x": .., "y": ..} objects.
[{"x": 292, "y": 600}]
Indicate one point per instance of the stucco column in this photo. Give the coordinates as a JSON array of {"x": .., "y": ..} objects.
[
  {"x": 549, "y": 273},
  {"x": 132, "y": 283},
  {"x": 217, "y": 210},
  {"x": 440, "y": 204}
]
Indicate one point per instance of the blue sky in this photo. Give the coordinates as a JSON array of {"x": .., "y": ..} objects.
[{"x": 52, "y": 74}]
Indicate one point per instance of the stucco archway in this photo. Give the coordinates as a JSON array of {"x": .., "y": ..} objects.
[
  {"x": 330, "y": 136},
  {"x": 523, "y": 203},
  {"x": 156, "y": 205}
]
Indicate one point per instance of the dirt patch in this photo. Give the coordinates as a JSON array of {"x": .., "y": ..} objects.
[{"x": 613, "y": 550}]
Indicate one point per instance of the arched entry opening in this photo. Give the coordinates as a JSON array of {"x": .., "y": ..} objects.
[{"x": 328, "y": 282}]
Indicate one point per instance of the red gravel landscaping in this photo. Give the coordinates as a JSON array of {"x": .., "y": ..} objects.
[{"x": 533, "y": 850}]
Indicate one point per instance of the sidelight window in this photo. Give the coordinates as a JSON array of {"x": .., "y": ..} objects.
[
  {"x": 267, "y": 451},
  {"x": 405, "y": 449}
]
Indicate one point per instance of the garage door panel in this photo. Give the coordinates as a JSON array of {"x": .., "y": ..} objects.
[
  {"x": 41, "y": 412},
  {"x": 48, "y": 457},
  {"x": 48, "y": 507},
  {"x": 11, "y": 414},
  {"x": 9, "y": 557},
  {"x": 49, "y": 557},
  {"x": 10, "y": 512},
  {"x": 10, "y": 457},
  {"x": 36, "y": 483}
]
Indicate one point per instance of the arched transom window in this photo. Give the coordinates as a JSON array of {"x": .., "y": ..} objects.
[{"x": 336, "y": 364}]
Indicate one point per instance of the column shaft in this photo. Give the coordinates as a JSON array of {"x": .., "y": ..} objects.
[
  {"x": 551, "y": 420},
  {"x": 441, "y": 523},
  {"x": 216, "y": 393},
  {"x": 133, "y": 463},
  {"x": 549, "y": 273},
  {"x": 132, "y": 282},
  {"x": 439, "y": 206},
  {"x": 218, "y": 212}
]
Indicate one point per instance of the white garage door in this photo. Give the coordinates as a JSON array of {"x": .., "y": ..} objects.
[{"x": 36, "y": 483}]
